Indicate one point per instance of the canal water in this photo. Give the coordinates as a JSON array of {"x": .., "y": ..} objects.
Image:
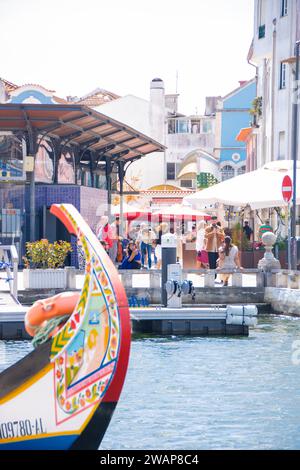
[{"x": 207, "y": 393}]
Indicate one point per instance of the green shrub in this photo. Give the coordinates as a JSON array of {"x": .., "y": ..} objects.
[
  {"x": 239, "y": 237},
  {"x": 44, "y": 255}
]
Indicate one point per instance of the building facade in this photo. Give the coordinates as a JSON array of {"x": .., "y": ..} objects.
[
  {"x": 190, "y": 140},
  {"x": 188, "y": 161},
  {"x": 233, "y": 113},
  {"x": 276, "y": 30}
]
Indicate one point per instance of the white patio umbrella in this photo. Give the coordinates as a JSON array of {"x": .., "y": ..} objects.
[
  {"x": 127, "y": 209},
  {"x": 179, "y": 210},
  {"x": 260, "y": 188}
]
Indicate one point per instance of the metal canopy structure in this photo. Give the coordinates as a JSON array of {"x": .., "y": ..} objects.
[
  {"x": 95, "y": 137},
  {"x": 81, "y": 126}
]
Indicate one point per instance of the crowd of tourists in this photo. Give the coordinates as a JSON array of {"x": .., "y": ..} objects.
[{"x": 140, "y": 248}]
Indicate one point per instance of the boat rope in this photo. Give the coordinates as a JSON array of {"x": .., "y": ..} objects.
[{"x": 43, "y": 333}]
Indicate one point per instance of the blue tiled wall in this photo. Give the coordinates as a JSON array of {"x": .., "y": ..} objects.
[{"x": 86, "y": 201}]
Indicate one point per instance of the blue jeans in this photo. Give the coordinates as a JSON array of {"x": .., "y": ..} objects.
[{"x": 146, "y": 248}]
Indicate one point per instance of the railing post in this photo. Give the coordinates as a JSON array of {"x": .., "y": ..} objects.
[
  {"x": 237, "y": 279},
  {"x": 281, "y": 280},
  {"x": 209, "y": 278},
  {"x": 155, "y": 279},
  {"x": 127, "y": 279},
  {"x": 70, "y": 277},
  {"x": 184, "y": 275},
  {"x": 260, "y": 279}
]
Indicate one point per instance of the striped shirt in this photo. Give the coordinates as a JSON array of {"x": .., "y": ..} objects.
[{"x": 263, "y": 229}]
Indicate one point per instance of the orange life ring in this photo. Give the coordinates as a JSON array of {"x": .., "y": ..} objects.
[{"x": 43, "y": 310}]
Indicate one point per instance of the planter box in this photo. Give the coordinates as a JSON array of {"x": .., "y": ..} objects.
[
  {"x": 250, "y": 259},
  {"x": 45, "y": 278}
]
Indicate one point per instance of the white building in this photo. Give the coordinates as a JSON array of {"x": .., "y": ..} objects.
[
  {"x": 276, "y": 29},
  {"x": 189, "y": 140}
]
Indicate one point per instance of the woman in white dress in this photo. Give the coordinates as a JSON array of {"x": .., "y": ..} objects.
[{"x": 228, "y": 259}]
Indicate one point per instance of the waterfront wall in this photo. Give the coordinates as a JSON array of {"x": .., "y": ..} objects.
[{"x": 283, "y": 300}]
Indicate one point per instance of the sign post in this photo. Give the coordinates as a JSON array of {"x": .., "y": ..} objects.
[{"x": 287, "y": 192}]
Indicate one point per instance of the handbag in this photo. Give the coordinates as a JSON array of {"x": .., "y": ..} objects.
[{"x": 204, "y": 256}]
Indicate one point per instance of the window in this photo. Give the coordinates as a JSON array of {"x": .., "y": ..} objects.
[
  {"x": 171, "y": 171},
  {"x": 261, "y": 15},
  {"x": 282, "y": 83},
  {"x": 195, "y": 125},
  {"x": 206, "y": 127},
  {"x": 12, "y": 150},
  {"x": 182, "y": 126},
  {"x": 227, "y": 172},
  {"x": 261, "y": 31},
  {"x": 284, "y": 7},
  {"x": 171, "y": 126},
  {"x": 241, "y": 170},
  {"x": 186, "y": 183},
  {"x": 281, "y": 145},
  {"x": 179, "y": 126}
]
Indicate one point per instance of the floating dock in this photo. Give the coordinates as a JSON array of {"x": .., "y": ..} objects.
[
  {"x": 11, "y": 318},
  {"x": 199, "y": 321}
]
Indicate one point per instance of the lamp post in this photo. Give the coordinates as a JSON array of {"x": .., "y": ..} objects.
[{"x": 294, "y": 157}]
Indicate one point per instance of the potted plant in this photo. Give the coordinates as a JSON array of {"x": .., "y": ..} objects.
[
  {"x": 240, "y": 239},
  {"x": 256, "y": 110},
  {"x": 44, "y": 264}
]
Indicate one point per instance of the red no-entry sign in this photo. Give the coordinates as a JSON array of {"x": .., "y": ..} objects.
[{"x": 287, "y": 188}]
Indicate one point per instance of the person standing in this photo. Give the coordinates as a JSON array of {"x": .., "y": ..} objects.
[
  {"x": 145, "y": 240},
  {"x": 202, "y": 260},
  {"x": 105, "y": 233},
  {"x": 214, "y": 236},
  {"x": 160, "y": 230},
  {"x": 228, "y": 259},
  {"x": 113, "y": 251},
  {"x": 247, "y": 230},
  {"x": 266, "y": 227}
]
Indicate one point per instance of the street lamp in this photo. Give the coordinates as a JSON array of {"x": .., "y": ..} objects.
[{"x": 294, "y": 157}]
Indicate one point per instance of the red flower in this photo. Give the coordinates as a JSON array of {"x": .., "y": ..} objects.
[
  {"x": 88, "y": 393},
  {"x": 68, "y": 406},
  {"x": 58, "y": 374},
  {"x": 61, "y": 360}
]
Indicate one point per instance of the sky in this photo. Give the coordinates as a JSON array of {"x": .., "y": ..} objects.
[{"x": 75, "y": 46}]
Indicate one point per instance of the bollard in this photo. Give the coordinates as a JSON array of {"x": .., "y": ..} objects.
[{"x": 168, "y": 256}]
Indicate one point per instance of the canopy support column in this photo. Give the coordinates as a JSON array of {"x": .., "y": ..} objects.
[
  {"x": 108, "y": 172},
  {"x": 122, "y": 171},
  {"x": 32, "y": 146}
]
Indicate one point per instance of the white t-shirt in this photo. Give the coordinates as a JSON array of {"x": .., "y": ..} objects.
[{"x": 200, "y": 239}]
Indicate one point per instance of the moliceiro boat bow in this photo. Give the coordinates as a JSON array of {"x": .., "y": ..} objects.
[{"x": 63, "y": 394}]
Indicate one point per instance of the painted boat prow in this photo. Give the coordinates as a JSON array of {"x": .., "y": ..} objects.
[{"x": 68, "y": 398}]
